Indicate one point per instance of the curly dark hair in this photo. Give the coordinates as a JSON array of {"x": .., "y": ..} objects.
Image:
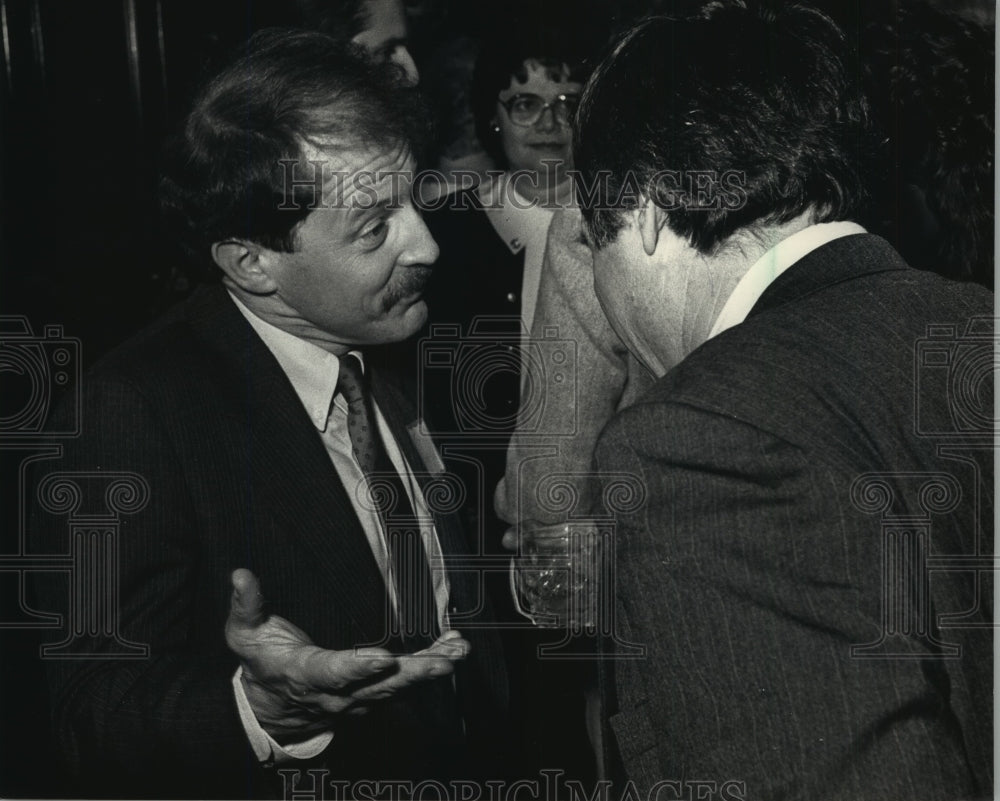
[{"x": 760, "y": 90}]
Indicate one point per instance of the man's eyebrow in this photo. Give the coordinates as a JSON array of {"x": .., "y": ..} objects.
[{"x": 363, "y": 209}]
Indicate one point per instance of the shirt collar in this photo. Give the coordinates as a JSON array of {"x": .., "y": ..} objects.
[
  {"x": 312, "y": 370},
  {"x": 772, "y": 264},
  {"x": 510, "y": 213}
]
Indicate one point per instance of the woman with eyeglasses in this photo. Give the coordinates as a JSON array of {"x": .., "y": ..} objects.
[
  {"x": 492, "y": 233},
  {"x": 525, "y": 90},
  {"x": 528, "y": 109},
  {"x": 481, "y": 298}
]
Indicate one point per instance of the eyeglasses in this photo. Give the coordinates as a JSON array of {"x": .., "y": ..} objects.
[{"x": 527, "y": 109}]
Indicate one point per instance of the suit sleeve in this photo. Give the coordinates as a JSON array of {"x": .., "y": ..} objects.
[
  {"x": 748, "y": 575},
  {"x": 164, "y": 723},
  {"x": 566, "y": 416}
]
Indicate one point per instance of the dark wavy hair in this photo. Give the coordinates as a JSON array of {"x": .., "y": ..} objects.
[
  {"x": 762, "y": 89},
  {"x": 502, "y": 57},
  {"x": 223, "y": 175}
]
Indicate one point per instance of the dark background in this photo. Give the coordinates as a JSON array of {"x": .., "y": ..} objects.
[{"x": 88, "y": 91}]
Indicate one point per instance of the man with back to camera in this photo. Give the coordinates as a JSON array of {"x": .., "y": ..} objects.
[
  {"x": 265, "y": 445},
  {"x": 803, "y": 571}
]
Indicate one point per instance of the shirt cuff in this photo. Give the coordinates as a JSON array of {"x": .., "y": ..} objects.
[{"x": 264, "y": 746}]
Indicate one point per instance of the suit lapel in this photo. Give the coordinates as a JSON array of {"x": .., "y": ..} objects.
[{"x": 294, "y": 482}]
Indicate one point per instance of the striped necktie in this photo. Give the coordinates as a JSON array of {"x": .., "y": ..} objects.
[{"x": 416, "y": 613}]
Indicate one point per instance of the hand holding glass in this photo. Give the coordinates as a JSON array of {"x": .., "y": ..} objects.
[{"x": 554, "y": 580}]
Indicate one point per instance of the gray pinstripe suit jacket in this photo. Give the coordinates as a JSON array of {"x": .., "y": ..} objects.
[{"x": 757, "y": 561}]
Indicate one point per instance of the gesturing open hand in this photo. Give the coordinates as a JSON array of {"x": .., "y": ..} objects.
[{"x": 297, "y": 689}]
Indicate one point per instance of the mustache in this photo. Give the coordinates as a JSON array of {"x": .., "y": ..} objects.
[{"x": 411, "y": 282}]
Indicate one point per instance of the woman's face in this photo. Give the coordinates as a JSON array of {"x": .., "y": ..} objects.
[{"x": 549, "y": 138}]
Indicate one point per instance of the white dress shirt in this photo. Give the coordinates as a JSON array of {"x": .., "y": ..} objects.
[
  {"x": 772, "y": 264},
  {"x": 313, "y": 373}
]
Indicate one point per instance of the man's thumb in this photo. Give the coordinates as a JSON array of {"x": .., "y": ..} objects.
[{"x": 246, "y": 606}]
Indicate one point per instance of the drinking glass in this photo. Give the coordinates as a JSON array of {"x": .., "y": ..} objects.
[{"x": 554, "y": 580}]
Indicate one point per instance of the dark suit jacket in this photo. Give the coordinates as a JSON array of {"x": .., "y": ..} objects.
[
  {"x": 757, "y": 561},
  {"x": 237, "y": 476}
]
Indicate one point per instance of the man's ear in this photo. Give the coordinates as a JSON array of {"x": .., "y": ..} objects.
[
  {"x": 651, "y": 219},
  {"x": 242, "y": 262}
]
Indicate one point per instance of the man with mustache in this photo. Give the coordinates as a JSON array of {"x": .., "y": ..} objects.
[{"x": 279, "y": 466}]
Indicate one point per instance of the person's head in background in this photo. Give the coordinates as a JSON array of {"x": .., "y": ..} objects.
[
  {"x": 525, "y": 90},
  {"x": 379, "y": 26}
]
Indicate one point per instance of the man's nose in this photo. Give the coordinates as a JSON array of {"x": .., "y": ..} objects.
[{"x": 421, "y": 247}]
